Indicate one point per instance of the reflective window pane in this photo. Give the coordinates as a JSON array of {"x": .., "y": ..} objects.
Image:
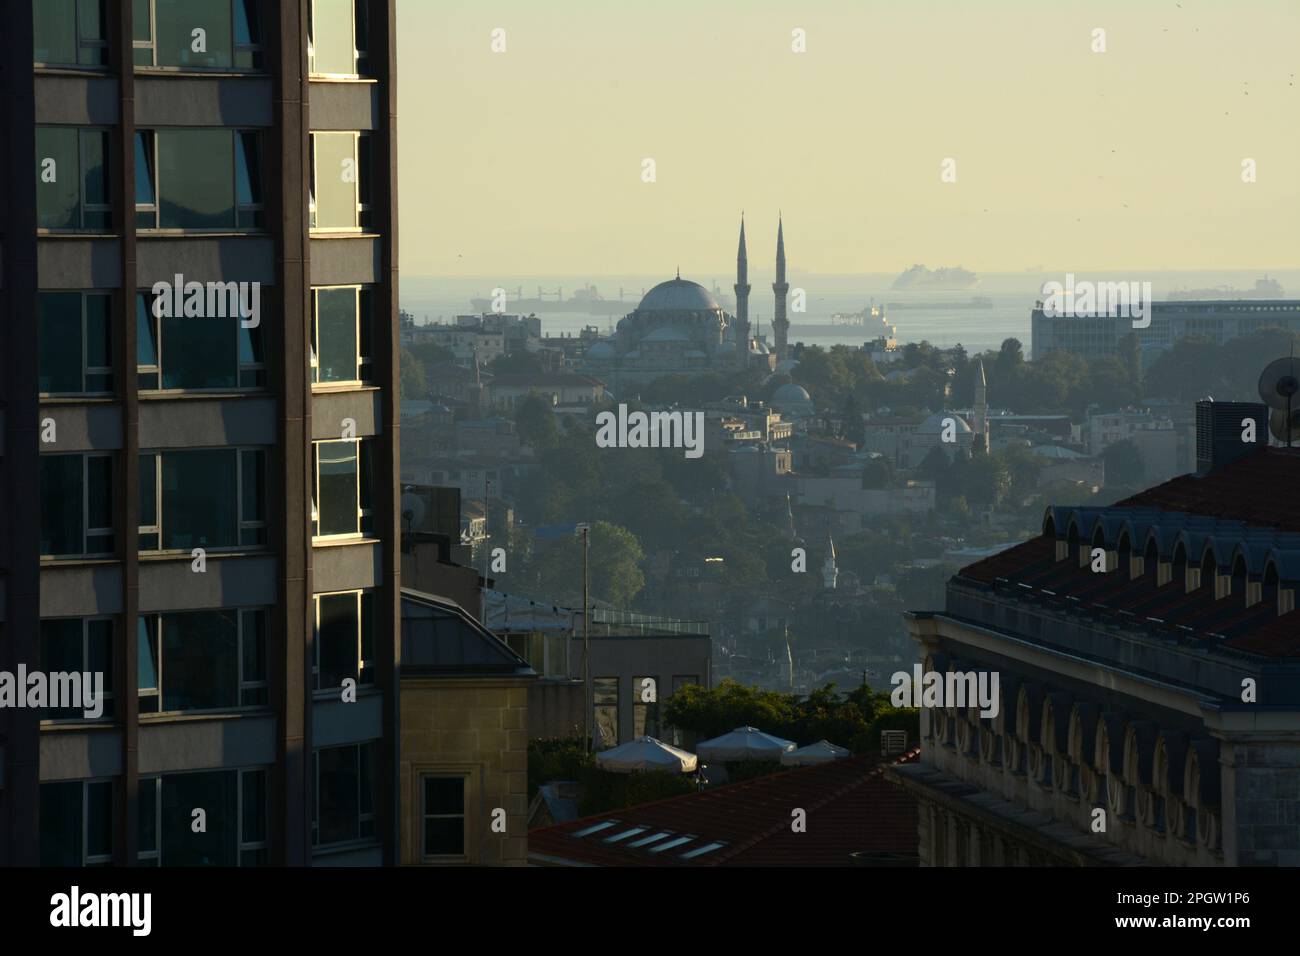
[
  {"x": 58, "y": 173},
  {"x": 198, "y": 499},
  {"x": 335, "y": 180},
  {"x": 200, "y": 660},
  {"x": 338, "y": 631},
  {"x": 140, "y": 20},
  {"x": 144, "y": 174},
  {"x": 332, "y": 40},
  {"x": 336, "y": 335},
  {"x": 58, "y": 323},
  {"x": 54, "y": 32},
  {"x": 178, "y": 43},
  {"x": 99, "y": 351},
  {"x": 196, "y": 179},
  {"x": 214, "y": 791},
  {"x": 62, "y": 506},
  {"x": 200, "y": 352},
  {"x": 338, "y": 793},
  {"x": 147, "y": 654},
  {"x": 99, "y": 818},
  {"x": 337, "y": 503},
  {"x": 61, "y": 824},
  {"x": 146, "y": 345}
]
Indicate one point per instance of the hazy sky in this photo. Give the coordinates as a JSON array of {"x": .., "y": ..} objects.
[{"x": 529, "y": 162}]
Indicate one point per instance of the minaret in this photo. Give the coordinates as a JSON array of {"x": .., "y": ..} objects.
[
  {"x": 780, "y": 324},
  {"x": 742, "y": 300},
  {"x": 981, "y": 415},
  {"x": 830, "y": 573}
]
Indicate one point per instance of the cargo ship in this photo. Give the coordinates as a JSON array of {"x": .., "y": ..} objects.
[
  {"x": 919, "y": 278},
  {"x": 1265, "y": 288}
]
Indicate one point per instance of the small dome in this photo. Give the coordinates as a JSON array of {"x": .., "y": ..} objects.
[
  {"x": 934, "y": 425},
  {"x": 678, "y": 295},
  {"x": 601, "y": 350},
  {"x": 790, "y": 392}
]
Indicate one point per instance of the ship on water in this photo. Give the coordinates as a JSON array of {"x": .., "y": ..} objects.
[
  {"x": 945, "y": 279},
  {"x": 1264, "y": 288},
  {"x": 586, "y": 300}
]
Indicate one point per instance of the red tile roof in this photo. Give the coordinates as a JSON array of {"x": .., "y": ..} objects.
[
  {"x": 1258, "y": 491},
  {"x": 850, "y": 806}
]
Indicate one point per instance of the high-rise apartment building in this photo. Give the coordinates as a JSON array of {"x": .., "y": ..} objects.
[{"x": 198, "y": 366}]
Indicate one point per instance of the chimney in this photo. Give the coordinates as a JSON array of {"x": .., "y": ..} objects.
[{"x": 1220, "y": 427}]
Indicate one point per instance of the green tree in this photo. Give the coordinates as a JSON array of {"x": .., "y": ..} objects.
[
  {"x": 413, "y": 384},
  {"x": 535, "y": 422},
  {"x": 613, "y": 568},
  {"x": 1123, "y": 465}
]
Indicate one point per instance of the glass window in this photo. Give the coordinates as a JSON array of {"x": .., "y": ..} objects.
[
  {"x": 332, "y": 48},
  {"x": 72, "y": 179},
  {"x": 335, "y": 338},
  {"x": 69, "y": 33},
  {"x": 146, "y": 198},
  {"x": 196, "y": 179},
  {"x": 74, "y": 343},
  {"x": 645, "y": 706},
  {"x": 345, "y": 794},
  {"x": 202, "y": 660},
  {"x": 199, "y": 499},
  {"x": 344, "y": 639},
  {"x": 208, "y": 498},
  {"x": 194, "y": 353},
  {"x": 216, "y": 792},
  {"x": 194, "y": 33},
  {"x": 338, "y": 200},
  {"x": 337, "y": 505},
  {"x": 444, "y": 816},
  {"x": 605, "y": 696},
  {"x": 76, "y": 505},
  {"x": 76, "y": 823},
  {"x": 80, "y": 646}
]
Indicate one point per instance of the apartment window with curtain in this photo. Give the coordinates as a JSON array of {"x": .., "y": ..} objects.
[
  {"x": 199, "y": 179},
  {"x": 190, "y": 353},
  {"x": 74, "y": 333},
  {"x": 76, "y": 505},
  {"x": 207, "y": 498},
  {"x": 164, "y": 34},
  {"x": 70, "y": 33},
  {"x": 201, "y": 661},
  {"x": 340, "y": 197},
  {"x": 338, "y": 38},
  {"x": 79, "y": 645},
  {"x": 72, "y": 179},
  {"x": 341, "y": 335}
]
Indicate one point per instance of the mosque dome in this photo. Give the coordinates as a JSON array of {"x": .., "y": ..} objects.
[
  {"x": 602, "y": 350},
  {"x": 678, "y": 295},
  {"x": 790, "y": 392},
  {"x": 934, "y": 425}
]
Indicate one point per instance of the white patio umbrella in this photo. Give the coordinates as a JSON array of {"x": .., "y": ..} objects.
[
  {"x": 645, "y": 753},
  {"x": 744, "y": 743},
  {"x": 821, "y": 752}
]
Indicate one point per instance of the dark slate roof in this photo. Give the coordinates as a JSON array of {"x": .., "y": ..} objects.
[
  {"x": 1248, "y": 507},
  {"x": 440, "y": 639},
  {"x": 850, "y": 807}
]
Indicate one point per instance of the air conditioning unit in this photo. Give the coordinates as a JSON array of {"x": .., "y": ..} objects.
[{"x": 893, "y": 742}]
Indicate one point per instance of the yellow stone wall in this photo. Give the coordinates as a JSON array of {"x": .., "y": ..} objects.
[{"x": 476, "y": 727}]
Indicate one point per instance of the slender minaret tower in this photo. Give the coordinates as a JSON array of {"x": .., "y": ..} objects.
[
  {"x": 780, "y": 324},
  {"x": 981, "y": 415},
  {"x": 830, "y": 573},
  {"x": 742, "y": 300}
]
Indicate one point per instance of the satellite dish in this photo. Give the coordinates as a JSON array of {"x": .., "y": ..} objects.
[
  {"x": 1280, "y": 429},
  {"x": 1280, "y": 383},
  {"x": 413, "y": 511}
]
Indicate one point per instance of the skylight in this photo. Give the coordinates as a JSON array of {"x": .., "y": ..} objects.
[
  {"x": 624, "y": 835},
  {"x": 671, "y": 843},
  {"x": 645, "y": 841},
  {"x": 701, "y": 850},
  {"x": 597, "y": 828}
]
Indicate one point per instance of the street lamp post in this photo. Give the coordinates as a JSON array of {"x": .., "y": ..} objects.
[{"x": 589, "y": 700}]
